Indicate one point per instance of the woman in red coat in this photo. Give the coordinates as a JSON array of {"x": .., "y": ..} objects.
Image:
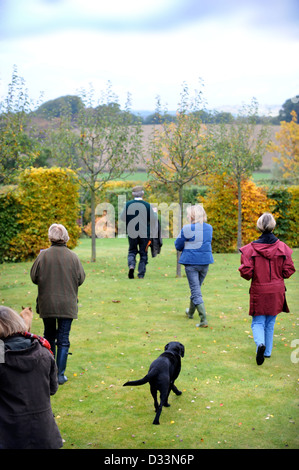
[{"x": 267, "y": 262}]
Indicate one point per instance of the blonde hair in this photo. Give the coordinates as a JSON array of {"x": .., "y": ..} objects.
[
  {"x": 196, "y": 214},
  {"x": 10, "y": 322},
  {"x": 266, "y": 222},
  {"x": 58, "y": 233}
]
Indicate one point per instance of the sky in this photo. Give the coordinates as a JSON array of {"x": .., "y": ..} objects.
[{"x": 236, "y": 49}]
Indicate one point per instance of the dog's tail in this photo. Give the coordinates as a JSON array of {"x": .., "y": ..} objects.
[{"x": 138, "y": 382}]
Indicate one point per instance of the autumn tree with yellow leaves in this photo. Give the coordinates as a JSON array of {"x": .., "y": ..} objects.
[
  {"x": 221, "y": 204},
  {"x": 287, "y": 148}
]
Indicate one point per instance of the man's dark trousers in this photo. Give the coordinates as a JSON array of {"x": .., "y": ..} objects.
[{"x": 138, "y": 245}]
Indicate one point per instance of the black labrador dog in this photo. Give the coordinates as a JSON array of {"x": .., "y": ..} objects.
[{"x": 162, "y": 374}]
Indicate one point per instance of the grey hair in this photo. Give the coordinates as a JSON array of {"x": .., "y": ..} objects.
[
  {"x": 58, "y": 233},
  {"x": 10, "y": 322},
  {"x": 266, "y": 222},
  {"x": 138, "y": 191}
]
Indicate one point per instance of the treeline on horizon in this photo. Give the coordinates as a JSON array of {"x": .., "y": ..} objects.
[{"x": 73, "y": 104}]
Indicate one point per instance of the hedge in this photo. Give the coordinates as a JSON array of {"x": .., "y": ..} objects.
[
  {"x": 51, "y": 195},
  {"x": 220, "y": 201},
  {"x": 286, "y": 211},
  {"x": 43, "y": 197}
]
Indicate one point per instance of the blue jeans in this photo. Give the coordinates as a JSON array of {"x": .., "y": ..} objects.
[
  {"x": 59, "y": 334},
  {"x": 196, "y": 274},
  {"x": 263, "y": 329}
]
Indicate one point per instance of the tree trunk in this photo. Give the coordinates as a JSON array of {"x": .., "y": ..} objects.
[
  {"x": 93, "y": 227},
  {"x": 178, "y": 255},
  {"x": 239, "y": 237}
]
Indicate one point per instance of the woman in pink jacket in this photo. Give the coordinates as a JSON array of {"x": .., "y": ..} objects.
[{"x": 267, "y": 262}]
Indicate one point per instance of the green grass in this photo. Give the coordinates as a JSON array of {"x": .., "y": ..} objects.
[{"x": 123, "y": 325}]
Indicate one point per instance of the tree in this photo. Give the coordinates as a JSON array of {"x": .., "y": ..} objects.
[
  {"x": 288, "y": 106},
  {"x": 239, "y": 147},
  {"x": 18, "y": 149},
  {"x": 178, "y": 150},
  {"x": 221, "y": 205},
  {"x": 100, "y": 146},
  {"x": 288, "y": 147},
  {"x": 56, "y": 108}
]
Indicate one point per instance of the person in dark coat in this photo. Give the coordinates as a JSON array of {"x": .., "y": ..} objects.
[
  {"x": 58, "y": 273},
  {"x": 266, "y": 262},
  {"x": 195, "y": 243},
  {"x": 28, "y": 376},
  {"x": 141, "y": 226}
]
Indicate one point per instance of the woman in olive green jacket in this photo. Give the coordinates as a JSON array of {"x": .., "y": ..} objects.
[{"x": 58, "y": 273}]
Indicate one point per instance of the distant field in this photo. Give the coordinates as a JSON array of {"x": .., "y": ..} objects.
[
  {"x": 138, "y": 176},
  {"x": 143, "y": 176}
]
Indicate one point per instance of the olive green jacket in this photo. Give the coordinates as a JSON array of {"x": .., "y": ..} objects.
[{"x": 58, "y": 273}]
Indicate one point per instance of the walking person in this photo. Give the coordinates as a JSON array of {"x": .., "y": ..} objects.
[
  {"x": 28, "y": 377},
  {"x": 266, "y": 262},
  {"x": 141, "y": 225},
  {"x": 58, "y": 273},
  {"x": 195, "y": 243}
]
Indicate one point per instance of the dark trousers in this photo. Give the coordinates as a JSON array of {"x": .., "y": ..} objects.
[
  {"x": 138, "y": 245},
  {"x": 57, "y": 331}
]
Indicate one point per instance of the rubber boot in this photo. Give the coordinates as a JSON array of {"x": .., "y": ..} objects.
[
  {"x": 203, "y": 316},
  {"x": 61, "y": 360},
  {"x": 190, "y": 310}
]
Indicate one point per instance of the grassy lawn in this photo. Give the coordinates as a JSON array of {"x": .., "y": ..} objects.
[{"x": 123, "y": 325}]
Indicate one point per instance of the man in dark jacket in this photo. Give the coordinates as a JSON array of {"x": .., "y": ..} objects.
[
  {"x": 141, "y": 225},
  {"x": 58, "y": 273}
]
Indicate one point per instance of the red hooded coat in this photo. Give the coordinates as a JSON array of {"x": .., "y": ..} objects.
[{"x": 267, "y": 265}]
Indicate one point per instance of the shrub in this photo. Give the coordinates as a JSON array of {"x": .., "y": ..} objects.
[
  {"x": 45, "y": 196},
  {"x": 292, "y": 238},
  {"x": 286, "y": 212},
  {"x": 221, "y": 205}
]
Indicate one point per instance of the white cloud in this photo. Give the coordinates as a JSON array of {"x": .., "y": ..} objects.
[{"x": 235, "y": 61}]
